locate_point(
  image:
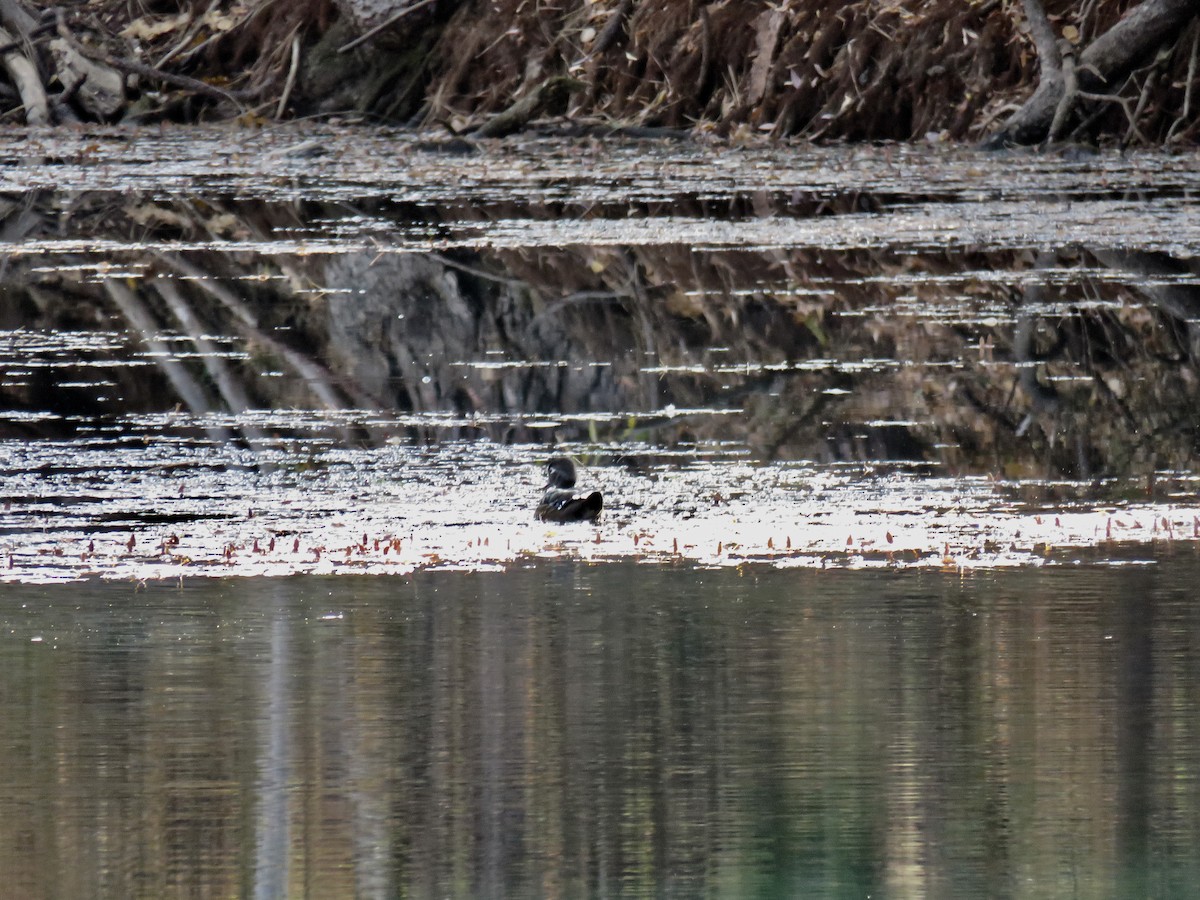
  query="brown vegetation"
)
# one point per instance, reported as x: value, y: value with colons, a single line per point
x: 863, y: 70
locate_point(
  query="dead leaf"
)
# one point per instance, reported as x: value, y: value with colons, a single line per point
x: 147, y: 28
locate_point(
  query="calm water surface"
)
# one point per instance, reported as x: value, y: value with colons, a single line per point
x: 606, y: 730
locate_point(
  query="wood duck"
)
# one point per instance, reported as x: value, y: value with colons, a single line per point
x: 561, y: 503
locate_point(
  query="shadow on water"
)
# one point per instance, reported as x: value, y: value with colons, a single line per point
x: 582, y: 731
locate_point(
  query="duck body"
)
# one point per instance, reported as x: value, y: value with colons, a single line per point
x: 560, y: 502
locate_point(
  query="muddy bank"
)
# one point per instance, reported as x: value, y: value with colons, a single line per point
x: 1112, y: 71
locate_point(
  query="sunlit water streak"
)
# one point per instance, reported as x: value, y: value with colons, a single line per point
x: 175, y: 509
x: 351, y: 163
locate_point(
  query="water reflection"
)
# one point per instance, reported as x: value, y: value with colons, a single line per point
x: 577, y: 730
x: 1013, y: 316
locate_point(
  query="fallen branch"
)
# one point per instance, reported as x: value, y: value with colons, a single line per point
x: 1143, y: 99
x: 24, y: 76
x: 291, y: 77
x: 180, y: 81
x: 705, y: 50
x: 24, y: 41
x: 98, y: 89
x: 137, y: 68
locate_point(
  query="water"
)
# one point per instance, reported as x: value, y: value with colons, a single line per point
x: 601, y: 730
x: 344, y: 351
x: 892, y: 595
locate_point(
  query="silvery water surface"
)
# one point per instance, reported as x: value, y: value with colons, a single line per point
x: 893, y: 594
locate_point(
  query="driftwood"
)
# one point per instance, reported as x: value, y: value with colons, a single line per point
x: 99, y: 90
x: 91, y: 78
x: 145, y: 71
x: 1100, y: 67
x: 24, y: 76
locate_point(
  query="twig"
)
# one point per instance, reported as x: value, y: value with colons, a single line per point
x: 1186, y: 115
x: 21, y: 42
x: 188, y: 35
x: 180, y: 81
x: 478, y: 272
x: 1124, y: 103
x: 366, y: 36
x: 291, y: 77
x: 705, y: 49
x: 1143, y: 98
x: 1085, y: 27
x: 552, y: 309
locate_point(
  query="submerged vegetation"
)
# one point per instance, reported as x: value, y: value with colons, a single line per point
x: 864, y: 70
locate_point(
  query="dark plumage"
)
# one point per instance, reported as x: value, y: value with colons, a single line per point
x: 561, y: 503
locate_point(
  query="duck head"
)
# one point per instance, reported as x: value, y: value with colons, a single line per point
x: 560, y: 473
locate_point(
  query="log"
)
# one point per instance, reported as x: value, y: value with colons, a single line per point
x: 24, y: 75
x: 98, y: 89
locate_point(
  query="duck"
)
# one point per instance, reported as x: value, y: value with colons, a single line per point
x: 561, y: 503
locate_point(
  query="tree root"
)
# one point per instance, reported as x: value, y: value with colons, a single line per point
x: 1105, y: 61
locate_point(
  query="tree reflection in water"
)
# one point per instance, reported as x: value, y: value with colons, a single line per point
x: 1073, y: 363
x: 576, y: 730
